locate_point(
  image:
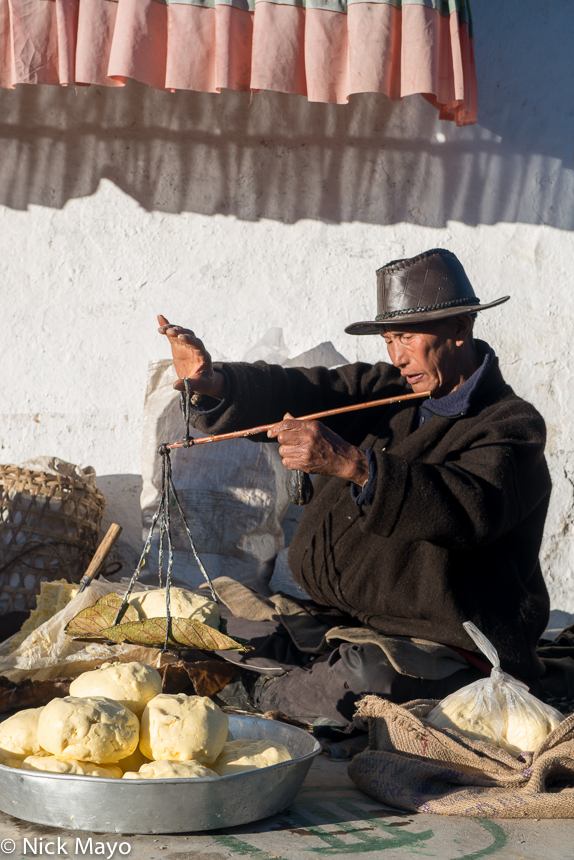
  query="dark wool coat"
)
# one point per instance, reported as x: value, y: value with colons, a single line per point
x: 454, y: 531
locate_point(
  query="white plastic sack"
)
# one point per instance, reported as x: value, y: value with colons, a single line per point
x: 282, y: 578
x: 498, y: 709
x: 233, y: 494
x: 55, y: 466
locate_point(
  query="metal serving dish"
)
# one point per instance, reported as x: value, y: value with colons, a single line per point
x: 164, y: 805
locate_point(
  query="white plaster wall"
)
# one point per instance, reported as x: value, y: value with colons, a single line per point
x: 233, y: 218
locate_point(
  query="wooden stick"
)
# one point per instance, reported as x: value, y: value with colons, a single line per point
x: 239, y: 434
x: 100, y: 555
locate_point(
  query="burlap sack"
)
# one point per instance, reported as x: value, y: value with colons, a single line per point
x: 412, y: 765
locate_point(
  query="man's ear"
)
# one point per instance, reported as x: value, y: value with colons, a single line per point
x: 463, y: 328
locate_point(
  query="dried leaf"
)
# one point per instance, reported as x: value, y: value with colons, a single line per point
x: 150, y: 633
x: 207, y: 676
x: 185, y: 633
x: 30, y: 694
x: 89, y: 623
x: 194, y: 634
x: 175, y: 678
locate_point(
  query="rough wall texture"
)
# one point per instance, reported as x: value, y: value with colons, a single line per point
x: 234, y: 217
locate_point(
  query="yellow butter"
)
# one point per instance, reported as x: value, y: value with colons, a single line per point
x: 242, y: 755
x: 183, y: 604
x: 53, y: 597
x: 183, y: 728
x: 92, y: 728
x: 171, y: 770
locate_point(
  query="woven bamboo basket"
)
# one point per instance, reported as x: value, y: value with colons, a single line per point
x: 49, y: 529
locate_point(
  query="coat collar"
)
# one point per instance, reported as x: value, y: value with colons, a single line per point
x: 458, y: 402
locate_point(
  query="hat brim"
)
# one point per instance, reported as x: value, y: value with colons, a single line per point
x: 375, y: 326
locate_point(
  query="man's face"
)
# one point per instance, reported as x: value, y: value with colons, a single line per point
x: 429, y: 355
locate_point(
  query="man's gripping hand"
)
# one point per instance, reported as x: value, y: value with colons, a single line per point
x: 313, y: 448
x: 192, y: 360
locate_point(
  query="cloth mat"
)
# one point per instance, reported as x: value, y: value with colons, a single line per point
x: 314, y: 630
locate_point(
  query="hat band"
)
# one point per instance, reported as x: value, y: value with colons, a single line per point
x: 470, y: 300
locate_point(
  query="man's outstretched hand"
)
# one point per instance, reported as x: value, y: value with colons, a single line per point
x: 191, y: 359
x: 306, y: 445
x: 313, y: 448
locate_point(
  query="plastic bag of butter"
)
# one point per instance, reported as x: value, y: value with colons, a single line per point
x: 498, y: 709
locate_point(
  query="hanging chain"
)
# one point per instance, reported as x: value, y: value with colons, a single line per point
x: 166, y: 481
x: 163, y: 514
x: 185, y: 400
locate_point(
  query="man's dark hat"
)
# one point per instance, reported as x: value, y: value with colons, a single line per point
x: 431, y: 286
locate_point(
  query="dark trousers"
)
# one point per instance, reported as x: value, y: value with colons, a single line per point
x: 330, y: 685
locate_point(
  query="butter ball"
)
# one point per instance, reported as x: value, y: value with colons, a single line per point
x: 182, y: 603
x: 241, y: 755
x: 526, y: 730
x: 457, y: 712
x: 52, y: 764
x: 91, y: 729
x: 133, y: 762
x: 19, y: 734
x: 183, y: 728
x: 130, y: 684
x: 171, y: 770
x: 10, y: 761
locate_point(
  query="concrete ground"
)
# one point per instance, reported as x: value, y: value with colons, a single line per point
x: 329, y: 818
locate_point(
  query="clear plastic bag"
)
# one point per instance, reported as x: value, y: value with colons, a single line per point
x: 498, y: 709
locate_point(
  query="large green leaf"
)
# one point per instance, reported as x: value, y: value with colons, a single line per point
x: 89, y: 623
x: 185, y: 633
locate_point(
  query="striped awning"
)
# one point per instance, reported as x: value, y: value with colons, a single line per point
x: 323, y: 49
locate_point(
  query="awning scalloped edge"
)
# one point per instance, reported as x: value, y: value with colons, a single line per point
x: 326, y: 50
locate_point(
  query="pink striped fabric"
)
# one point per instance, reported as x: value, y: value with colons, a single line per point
x: 391, y: 47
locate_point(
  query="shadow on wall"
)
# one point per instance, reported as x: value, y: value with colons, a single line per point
x: 283, y: 158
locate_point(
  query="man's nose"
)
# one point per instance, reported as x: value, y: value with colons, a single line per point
x: 398, y: 355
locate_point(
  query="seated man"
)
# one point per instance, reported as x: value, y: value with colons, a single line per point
x: 425, y: 514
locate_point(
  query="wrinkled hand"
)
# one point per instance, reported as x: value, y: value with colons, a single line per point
x: 192, y: 360
x: 313, y: 448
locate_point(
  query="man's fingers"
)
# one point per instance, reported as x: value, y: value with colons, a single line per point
x: 175, y: 331
x: 288, y: 423
x: 291, y: 446
x: 290, y: 464
x: 285, y: 427
x: 163, y: 323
